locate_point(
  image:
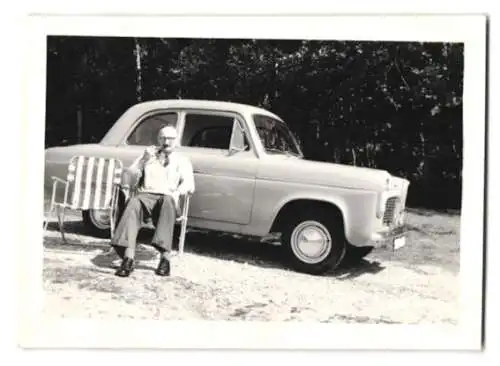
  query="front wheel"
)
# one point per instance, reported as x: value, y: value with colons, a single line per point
x: 314, y: 243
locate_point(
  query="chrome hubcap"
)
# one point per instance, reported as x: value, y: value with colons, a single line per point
x: 100, y: 219
x: 311, y: 242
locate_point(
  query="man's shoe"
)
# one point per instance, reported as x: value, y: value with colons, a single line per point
x: 163, y: 267
x: 126, y: 268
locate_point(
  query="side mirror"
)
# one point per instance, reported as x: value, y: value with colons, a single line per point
x: 237, y: 143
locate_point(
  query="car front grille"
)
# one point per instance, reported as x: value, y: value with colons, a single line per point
x: 390, y: 210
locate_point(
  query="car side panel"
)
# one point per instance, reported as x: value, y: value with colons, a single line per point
x: 358, y: 207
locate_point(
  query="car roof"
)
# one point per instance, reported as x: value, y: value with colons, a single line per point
x: 204, y: 104
x: 122, y: 125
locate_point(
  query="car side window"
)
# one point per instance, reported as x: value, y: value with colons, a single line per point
x: 207, y: 130
x: 217, y: 137
x: 147, y: 130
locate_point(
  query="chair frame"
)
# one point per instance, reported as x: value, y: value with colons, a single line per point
x: 61, y: 207
x: 183, y: 220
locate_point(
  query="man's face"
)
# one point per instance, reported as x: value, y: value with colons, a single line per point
x: 165, y: 142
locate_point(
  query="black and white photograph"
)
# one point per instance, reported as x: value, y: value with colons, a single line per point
x: 293, y: 182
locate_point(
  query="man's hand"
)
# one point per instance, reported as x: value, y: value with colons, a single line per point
x: 148, y: 153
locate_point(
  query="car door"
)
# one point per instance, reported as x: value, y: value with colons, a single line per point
x: 224, y: 179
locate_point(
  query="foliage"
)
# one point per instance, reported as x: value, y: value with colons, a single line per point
x: 389, y: 105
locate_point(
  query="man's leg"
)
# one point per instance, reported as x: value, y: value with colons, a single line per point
x: 162, y: 239
x: 138, y: 208
x: 124, y: 239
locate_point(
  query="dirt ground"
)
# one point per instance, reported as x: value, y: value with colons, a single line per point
x: 222, y: 278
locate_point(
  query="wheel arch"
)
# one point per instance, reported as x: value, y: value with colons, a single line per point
x: 300, y: 204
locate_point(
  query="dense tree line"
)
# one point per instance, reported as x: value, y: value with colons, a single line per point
x: 389, y: 105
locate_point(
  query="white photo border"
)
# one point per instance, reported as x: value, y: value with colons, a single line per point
x: 36, y: 331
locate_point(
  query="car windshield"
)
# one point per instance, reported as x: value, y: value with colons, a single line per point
x: 275, y: 135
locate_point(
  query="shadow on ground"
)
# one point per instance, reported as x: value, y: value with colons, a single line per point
x: 224, y: 247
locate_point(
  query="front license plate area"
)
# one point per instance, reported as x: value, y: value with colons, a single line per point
x: 399, y: 242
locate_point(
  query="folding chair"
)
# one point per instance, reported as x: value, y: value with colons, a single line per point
x: 91, y: 183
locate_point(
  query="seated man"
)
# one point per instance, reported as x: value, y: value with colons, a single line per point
x: 163, y: 176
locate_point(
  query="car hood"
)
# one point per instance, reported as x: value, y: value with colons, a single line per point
x: 297, y: 170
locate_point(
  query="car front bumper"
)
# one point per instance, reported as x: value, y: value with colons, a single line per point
x: 391, y: 238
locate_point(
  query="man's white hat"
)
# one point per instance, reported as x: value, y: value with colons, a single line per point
x: 168, y: 132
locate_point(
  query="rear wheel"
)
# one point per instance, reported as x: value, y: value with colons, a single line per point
x: 97, y: 221
x: 314, y: 242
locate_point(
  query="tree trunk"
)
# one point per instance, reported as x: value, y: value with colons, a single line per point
x: 422, y: 144
x: 79, y: 124
x: 138, y: 60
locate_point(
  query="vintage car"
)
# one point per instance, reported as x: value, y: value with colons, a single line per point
x: 252, y: 180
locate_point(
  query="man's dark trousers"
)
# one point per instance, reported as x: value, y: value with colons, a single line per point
x: 161, y: 208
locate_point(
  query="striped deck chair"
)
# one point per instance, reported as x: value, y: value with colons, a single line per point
x: 91, y: 183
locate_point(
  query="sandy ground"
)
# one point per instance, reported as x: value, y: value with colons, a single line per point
x: 222, y: 278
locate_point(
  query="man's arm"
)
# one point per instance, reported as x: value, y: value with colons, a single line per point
x: 137, y: 165
x: 133, y: 173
